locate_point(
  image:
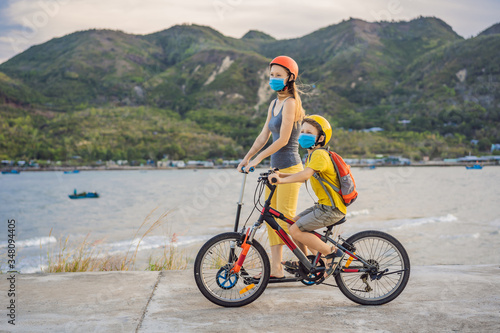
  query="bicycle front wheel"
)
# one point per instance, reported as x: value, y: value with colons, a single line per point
x: 384, y: 252
x: 212, y: 271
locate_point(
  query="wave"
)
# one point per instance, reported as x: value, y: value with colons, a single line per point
x: 36, y: 241
x: 33, y: 269
x: 151, y: 242
x: 30, y: 263
x: 452, y: 237
x: 409, y: 223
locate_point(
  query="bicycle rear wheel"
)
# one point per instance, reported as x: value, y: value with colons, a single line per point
x: 384, y: 252
x: 212, y: 271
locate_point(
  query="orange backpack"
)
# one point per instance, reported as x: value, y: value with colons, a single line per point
x: 347, y: 185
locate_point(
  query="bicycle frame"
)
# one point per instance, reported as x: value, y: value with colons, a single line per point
x: 269, y: 215
x: 240, y: 280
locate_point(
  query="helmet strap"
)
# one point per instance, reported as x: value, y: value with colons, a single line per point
x: 288, y: 84
x: 317, y: 138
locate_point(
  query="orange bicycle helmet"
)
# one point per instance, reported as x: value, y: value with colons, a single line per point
x: 288, y: 63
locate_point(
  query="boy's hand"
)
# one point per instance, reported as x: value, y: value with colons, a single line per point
x: 274, y: 176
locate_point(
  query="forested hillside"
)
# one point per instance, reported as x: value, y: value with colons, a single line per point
x: 191, y: 92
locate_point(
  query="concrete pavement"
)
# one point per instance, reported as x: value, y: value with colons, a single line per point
x: 436, y: 299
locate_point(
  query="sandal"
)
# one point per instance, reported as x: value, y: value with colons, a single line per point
x: 290, y: 264
x: 291, y: 267
x: 336, y: 257
x: 275, y: 278
x: 271, y: 278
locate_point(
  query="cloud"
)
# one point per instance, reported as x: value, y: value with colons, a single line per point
x: 27, y: 22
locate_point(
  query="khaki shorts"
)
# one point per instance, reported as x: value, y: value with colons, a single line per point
x: 318, y: 216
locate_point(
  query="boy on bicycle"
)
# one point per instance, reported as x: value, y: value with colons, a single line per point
x: 315, y: 133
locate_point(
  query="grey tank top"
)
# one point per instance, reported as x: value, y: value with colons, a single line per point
x: 288, y: 155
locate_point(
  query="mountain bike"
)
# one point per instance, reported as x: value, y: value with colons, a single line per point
x: 232, y: 269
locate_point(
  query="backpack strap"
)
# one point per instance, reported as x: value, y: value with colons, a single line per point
x: 322, y: 180
x: 327, y: 193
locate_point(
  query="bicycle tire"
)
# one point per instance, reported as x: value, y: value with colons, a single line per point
x: 388, y: 253
x: 213, y: 277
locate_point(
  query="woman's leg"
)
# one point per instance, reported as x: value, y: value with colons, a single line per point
x: 286, y: 202
x: 274, y: 241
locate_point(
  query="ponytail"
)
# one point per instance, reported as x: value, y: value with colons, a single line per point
x: 292, y: 90
x: 299, y: 111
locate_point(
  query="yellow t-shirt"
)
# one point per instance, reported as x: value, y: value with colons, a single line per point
x: 321, y: 162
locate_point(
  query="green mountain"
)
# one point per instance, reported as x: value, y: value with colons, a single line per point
x: 94, y: 67
x: 411, y: 78
x: 494, y: 29
x: 13, y: 91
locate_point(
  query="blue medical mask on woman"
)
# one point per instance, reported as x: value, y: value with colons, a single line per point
x: 277, y: 84
x: 307, y: 141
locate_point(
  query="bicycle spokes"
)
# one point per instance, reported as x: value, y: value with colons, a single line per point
x: 381, y: 273
x: 217, y: 278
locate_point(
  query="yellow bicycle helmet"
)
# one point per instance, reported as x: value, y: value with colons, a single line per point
x: 324, y: 124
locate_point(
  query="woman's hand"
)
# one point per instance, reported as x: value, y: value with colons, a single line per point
x: 253, y: 163
x: 243, y: 163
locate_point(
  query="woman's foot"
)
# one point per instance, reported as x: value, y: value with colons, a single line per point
x: 271, y: 278
x: 290, y: 266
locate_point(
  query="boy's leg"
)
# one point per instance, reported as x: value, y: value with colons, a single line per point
x: 299, y: 244
x: 317, y: 217
x: 311, y: 219
x: 310, y: 240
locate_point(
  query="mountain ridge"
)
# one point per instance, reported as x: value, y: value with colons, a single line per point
x: 358, y: 74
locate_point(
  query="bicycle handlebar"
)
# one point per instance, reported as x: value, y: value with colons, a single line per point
x: 252, y: 169
x: 265, y: 175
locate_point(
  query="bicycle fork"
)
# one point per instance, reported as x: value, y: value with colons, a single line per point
x: 246, y: 247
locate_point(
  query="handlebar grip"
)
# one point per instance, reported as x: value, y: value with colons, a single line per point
x: 274, y: 180
x: 249, y: 170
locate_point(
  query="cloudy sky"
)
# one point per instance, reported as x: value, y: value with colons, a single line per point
x: 28, y: 22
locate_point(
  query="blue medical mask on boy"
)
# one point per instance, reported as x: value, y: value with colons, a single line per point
x: 277, y: 84
x: 307, y: 141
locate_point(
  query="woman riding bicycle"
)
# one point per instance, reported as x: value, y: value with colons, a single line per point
x: 330, y: 208
x: 284, y: 117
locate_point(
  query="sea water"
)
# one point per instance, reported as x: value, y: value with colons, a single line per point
x: 442, y: 215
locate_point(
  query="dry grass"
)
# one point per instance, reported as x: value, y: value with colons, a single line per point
x: 87, y: 256
x: 171, y: 259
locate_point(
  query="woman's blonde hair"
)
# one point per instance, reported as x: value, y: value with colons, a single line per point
x: 294, y: 92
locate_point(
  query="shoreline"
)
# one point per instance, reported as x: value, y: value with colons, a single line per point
x: 151, y: 168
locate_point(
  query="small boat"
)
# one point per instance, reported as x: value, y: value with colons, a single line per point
x: 73, y: 171
x: 83, y: 195
x: 15, y: 172
x: 474, y: 167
